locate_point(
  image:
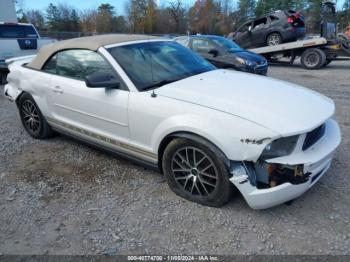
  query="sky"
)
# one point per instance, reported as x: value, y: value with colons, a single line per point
x: 89, y: 4
x: 93, y: 4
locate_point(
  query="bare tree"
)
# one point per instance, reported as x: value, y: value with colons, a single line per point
x: 35, y: 17
x: 89, y: 21
x: 177, y: 12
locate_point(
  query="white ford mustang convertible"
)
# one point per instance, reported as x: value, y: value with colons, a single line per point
x: 207, y: 130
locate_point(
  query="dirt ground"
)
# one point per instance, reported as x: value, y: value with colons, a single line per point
x: 58, y: 196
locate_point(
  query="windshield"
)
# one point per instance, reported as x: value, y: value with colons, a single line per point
x: 153, y: 64
x: 226, y: 44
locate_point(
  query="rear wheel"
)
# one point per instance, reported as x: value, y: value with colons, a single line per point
x: 195, y: 172
x: 274, y: 39
x: 313, y: 58
x: 328, y: 61
x: 32, y: 119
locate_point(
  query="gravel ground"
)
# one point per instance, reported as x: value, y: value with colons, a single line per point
x: 61, y: 197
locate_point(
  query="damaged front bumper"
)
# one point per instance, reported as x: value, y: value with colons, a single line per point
x: 10, y: 93
x: 314, y: 162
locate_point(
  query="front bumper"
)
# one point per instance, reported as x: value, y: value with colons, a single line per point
x: 258, y: 69
x: 316, y: 161
x: 261, y: 70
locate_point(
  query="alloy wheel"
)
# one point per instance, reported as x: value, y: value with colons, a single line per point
x: 31, y: 116
x: 194, y: 171
x: 274, y: 40
x: 312, y: 60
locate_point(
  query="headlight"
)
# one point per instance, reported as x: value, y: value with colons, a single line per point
x: 245, y: 62
x: 240, y: 60
x: 250, y: 63
x: 280, y: 147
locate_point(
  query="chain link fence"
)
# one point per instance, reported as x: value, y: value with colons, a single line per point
x: 64, y: 35
x: 68, y: 35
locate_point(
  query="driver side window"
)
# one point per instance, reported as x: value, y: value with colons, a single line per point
x: 245, y: 27
x: 259, y: 23
x: 77, y: 64
x: 202, y: 45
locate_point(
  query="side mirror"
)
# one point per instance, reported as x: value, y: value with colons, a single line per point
x: 213, y: 52
x: 102, y: 80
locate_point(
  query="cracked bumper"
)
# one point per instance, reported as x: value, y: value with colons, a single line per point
x: 316, y: 160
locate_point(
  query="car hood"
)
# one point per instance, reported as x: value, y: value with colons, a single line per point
x: 250, y: 56
x: 282, y: 107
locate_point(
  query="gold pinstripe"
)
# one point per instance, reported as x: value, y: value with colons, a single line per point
x: 101, y: 138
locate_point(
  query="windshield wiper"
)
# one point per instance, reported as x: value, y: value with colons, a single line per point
x: 159, y: 84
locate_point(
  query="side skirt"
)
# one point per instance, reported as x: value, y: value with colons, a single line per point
x: 95, y: 145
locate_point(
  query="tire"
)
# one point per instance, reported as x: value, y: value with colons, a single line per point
x: 3, y: 78
x: 313, y: 58
x: 205, y: 182
x: 32, y: 119
x: 328, y: 61
x: 273, y: 39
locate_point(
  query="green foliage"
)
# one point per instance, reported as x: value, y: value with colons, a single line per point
x: 313, y: 17
x: 52, y: 16
x: 23, y: 19
x: 266, y: 6
x: 105, y: 18
x: 62, y: 18
x: 246, y: 9
x: 344, y: 16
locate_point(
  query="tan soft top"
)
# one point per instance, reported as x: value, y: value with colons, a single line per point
x: 90, y: 42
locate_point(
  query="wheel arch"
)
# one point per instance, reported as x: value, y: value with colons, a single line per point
x: 191, y: 136
x: 274, y: 32
x: 19, y: 97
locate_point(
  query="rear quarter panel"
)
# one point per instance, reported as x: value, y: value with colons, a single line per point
x: 22, y: 79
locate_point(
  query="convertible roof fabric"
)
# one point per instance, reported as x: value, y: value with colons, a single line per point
x: 90, y: 42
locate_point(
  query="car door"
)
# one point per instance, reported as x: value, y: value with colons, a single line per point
x: 202, y: 46
x: 97, y: 112
x: 185, y: 41
x: 258, y: 32
x: 242, y: 36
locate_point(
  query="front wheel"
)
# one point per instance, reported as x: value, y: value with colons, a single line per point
x: 32, y: 119
x: 195, y: 172
x: 328, y: 61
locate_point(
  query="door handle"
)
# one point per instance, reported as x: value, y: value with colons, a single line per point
x: 57, y: 90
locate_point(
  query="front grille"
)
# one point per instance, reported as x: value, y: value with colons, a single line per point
x: 313, y: 136
x: 261, y: 70
x: 262, y: 62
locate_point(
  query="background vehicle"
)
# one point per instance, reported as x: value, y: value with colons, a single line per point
x: 224, y: 53
x: 18, y: 39
x: 345, y: 37
x: 315, y: 52
x: 274, y: 29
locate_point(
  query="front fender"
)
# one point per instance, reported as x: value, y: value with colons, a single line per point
x: 238, y: 139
